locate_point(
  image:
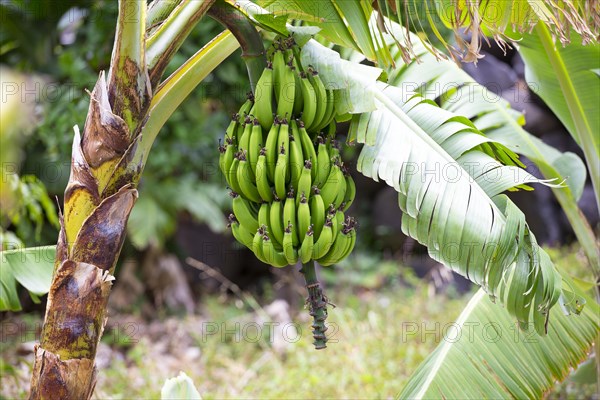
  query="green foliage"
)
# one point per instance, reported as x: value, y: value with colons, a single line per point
x: 153, y: 219
x: 30, y: 208
x: 31, y: 267
x: 498, y: 360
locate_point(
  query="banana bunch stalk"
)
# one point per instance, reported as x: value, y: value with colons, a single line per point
x: 289, y: 187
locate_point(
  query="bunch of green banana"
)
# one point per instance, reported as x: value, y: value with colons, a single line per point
x: 280, y: 159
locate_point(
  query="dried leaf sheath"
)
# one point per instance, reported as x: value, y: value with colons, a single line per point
x: 98, y: 200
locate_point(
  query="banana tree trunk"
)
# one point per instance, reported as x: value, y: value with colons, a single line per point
x: 98, y: 199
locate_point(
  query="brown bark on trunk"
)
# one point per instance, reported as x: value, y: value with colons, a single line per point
x: 98, y: 200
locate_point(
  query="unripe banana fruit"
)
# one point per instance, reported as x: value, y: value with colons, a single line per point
x: 290, y: 188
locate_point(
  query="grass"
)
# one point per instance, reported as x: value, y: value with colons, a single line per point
x: 226, y: 349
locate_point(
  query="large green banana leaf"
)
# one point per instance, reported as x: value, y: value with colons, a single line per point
x: 483, y: 355
x: 455, y: 91
x: 449, y: 177
x: 568, y: 80
x: 491, y: 18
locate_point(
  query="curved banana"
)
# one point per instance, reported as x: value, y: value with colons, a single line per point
x: 232, y: 174
x: 240, y: 233
x: 309, y: 111
x: 329, y: 111
x: 278, y: 69
x: 246, y: 180
x: 305, y: 182
x: 317, y: 211
x: 308, y: 149
x: 231, y: 131
x: 342, y: 189
x: 271, y: 255
x: 287, y: 92
x: 262, y: 180
x: 299, y: 101
x: 303, y: 216
x: 257, y: 243
x: 334, y: 255
x: 289, y: 251
x: 306, y: 249
x: 331, y: 188
x: 228, y: 156
x: 263, y: 215
x: 244, y: 140
x: 222, y: 149
x: 324, y: 242
x: 255, y: 144
x: 272, y: 147
x: 280, y: 174
x: 323, y: 162
x: 296, y: 160
x: 244, y: 213
x: 276, y: 221
x: 263, y: 97
x: 283, y: 138
x: 321, y: 97
x: 245, y: 109
x: 350, y: 191
x: 289, y: 215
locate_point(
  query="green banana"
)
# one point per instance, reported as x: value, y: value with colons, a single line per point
x: 275, y: 221
x: 232, y: 174
x: 299, y: 101
x: 339, y: 248
x: 246, y: 180
x: 271, y: 254
x: 342, y: 189
x: 350, y: 191
x: 323, y: 162
x: 321, y: 97
x: 233, y: 126
x: 281, y: 173
x: 244, y: 213
x: 306, y: 249
x: 303, y: 216
x: 308, y: 148
x: 305, y: 182
x: 309, y: 110
x: 257, y: 245
x: 296, y: 160
x: 222, y: 149
x: 240, y: 233
x: 329, y: 111
x: 324, y: 242
x: 263, y: 215
x: 247, y: 106
x: 317, y: 211
x: 244, y: 141
x: 255, y: 144
x: 289, y: 215
x: 289, y: 251
x: 228, y: 156
x: 263, y: 109
x: 330, y: 190
x: 262, y: 180
x: 287, y: 92
x: 283, y: 138
x: 278, y: 68
x: 272, y: 146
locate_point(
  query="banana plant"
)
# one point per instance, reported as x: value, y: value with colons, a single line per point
x: 131, y: 102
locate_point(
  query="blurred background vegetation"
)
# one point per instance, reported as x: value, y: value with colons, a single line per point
x: 50, y: 53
